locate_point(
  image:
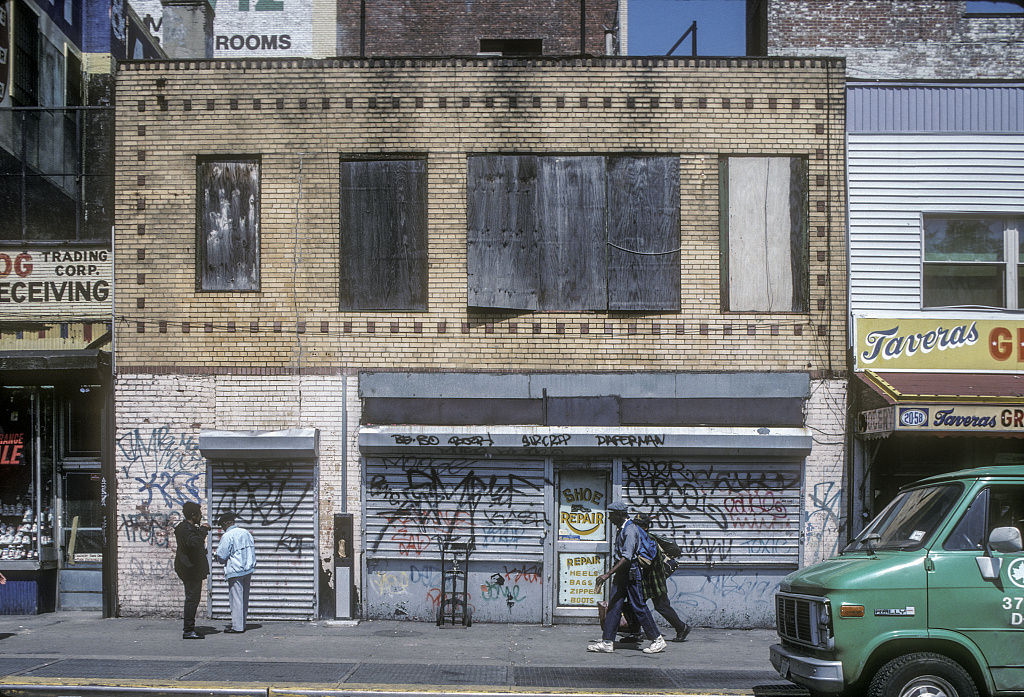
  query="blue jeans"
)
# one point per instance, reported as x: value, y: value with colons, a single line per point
x: 625, y: 590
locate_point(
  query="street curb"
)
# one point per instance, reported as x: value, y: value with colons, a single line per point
x: 78, y: 688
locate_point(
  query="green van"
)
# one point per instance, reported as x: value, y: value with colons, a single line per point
x: 928, y: 601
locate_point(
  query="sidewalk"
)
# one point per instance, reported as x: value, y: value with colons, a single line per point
x: 78, y: 653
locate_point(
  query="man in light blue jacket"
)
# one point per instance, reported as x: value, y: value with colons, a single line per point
x: 237, y: 552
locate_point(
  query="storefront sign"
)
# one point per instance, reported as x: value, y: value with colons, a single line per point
x: 581, y: 504
x: 577, y: 574
x: 248, y: 28
x: 964, y: 418
x: 65, y: 283
x: 939, y: 344
x: 12, y: 449
x: 876, y: 422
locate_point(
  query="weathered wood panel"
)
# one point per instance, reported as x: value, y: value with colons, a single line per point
x: 643, y: 210
x: 763, y: 271
x: 383, y: 245
x: 501, y: 235
x: 229, y: 225
x: 571, y: 221
x: 799, y: 244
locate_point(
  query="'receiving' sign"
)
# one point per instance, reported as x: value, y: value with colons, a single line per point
x: 66, y: 282
x: 939, y: 344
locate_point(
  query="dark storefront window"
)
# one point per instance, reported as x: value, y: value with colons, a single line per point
x: 83, y: 429
x: 25, y: 83
x: 25, y: 489
x: 83, y: 517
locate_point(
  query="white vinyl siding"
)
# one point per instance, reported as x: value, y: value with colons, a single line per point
x: 894, y: 180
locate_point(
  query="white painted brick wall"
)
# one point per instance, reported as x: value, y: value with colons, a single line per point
x: 159, y: 466
x: 824, y: 471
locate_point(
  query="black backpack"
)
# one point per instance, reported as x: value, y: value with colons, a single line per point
x: 670, y: 548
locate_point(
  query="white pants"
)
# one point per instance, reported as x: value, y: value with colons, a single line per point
x: 238, y: 595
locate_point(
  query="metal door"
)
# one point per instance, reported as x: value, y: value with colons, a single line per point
x: 581, y: 538
x: 276, y: 502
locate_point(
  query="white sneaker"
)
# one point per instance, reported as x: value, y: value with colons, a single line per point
x: 657, y: 646
x: 606, y: 646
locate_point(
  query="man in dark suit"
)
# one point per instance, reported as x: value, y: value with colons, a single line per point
x: 190, y: 563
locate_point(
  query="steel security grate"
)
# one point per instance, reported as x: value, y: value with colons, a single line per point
x: 426, y: 674
x: 589, y: 677
x: 281, y: 671
x: 10, y: 666
x: 114, y: 669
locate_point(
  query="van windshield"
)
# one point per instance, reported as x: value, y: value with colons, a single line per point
x: 910, y: 520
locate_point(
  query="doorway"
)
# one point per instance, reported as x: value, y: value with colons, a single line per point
x: 581, y: 538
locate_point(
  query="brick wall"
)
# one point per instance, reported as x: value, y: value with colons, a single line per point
x: 286, y: 356
x: 824, y: 524
x: 159, y: 465
x: 900, y: 39
x: 439, y: 27
x: 311, y: 113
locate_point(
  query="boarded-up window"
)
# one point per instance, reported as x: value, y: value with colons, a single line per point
x: 579, y: 233
x: 383, y: 246
x: 764, y: 234
x: 228, y: 242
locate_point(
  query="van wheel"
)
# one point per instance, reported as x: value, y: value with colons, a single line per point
x: 922, y: 674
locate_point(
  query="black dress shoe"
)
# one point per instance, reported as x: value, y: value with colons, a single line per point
x: 682, y: 633
x: 191, y: 635
x: 232, y: 630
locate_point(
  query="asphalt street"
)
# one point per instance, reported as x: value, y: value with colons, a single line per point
x: 81, y: 653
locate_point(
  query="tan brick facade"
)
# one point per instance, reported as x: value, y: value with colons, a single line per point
x: 287, y: 357
x: 171, y: 113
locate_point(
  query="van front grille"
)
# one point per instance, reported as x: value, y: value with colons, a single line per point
x: 796, y: 619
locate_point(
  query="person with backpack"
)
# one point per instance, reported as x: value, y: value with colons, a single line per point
x: 633, y: 547
x: 656, y: 580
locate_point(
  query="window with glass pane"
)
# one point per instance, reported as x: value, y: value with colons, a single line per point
x: 964, y: 263
x: 1020, y: 269
x: 83, y: 514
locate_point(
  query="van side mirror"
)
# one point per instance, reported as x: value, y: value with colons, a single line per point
x: 1005, y: 540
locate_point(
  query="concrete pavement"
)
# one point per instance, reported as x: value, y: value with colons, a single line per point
x: 81, y: 653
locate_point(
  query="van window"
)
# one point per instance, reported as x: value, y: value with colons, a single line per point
x: 910, y: 520
x: 969, y: 533
x: 994, y: 507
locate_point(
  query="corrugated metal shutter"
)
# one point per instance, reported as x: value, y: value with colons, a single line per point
x: 720, y: 512
x: 414, y: 503
x: 894, y: 179
x: 276, y: 502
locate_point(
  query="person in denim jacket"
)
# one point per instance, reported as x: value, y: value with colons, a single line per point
x: 627, y: 586
x: 237, y: 552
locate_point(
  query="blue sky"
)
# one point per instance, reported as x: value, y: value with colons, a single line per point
x: 655, y: 25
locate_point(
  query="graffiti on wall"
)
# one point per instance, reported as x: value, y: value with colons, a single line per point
x: 153, y: 528
x: 734, y: 598
x: 429, y: 502
x: 822, y: 522
x: 167, y: 468
x: 699, y: 505
x: 267, y: 495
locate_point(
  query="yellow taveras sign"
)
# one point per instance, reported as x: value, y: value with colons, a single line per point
x: 948, y: 344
